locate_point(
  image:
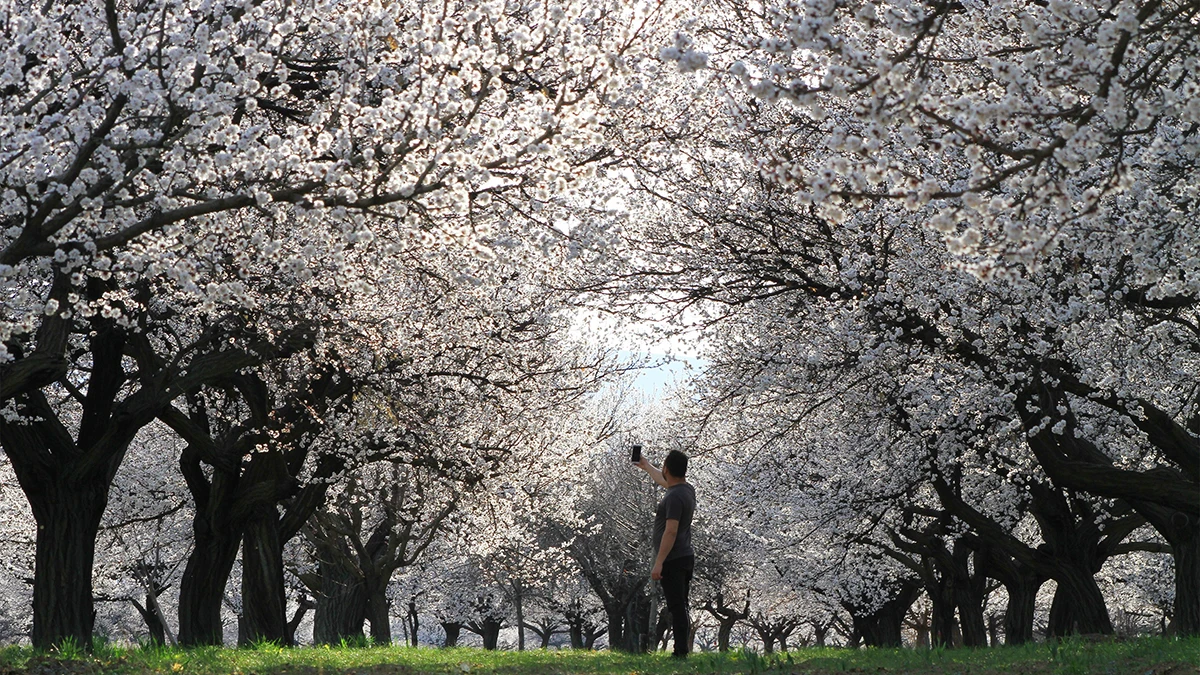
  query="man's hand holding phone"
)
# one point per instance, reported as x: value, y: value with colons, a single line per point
x: 637, y: 458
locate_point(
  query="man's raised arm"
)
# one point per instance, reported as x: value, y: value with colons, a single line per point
x: 645, y: 465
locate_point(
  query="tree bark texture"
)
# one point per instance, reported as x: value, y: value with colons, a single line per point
x: 341, y: 606
x: 519, y: 607
x: 1186, y: 547
x: 575, y: 630
x: 882, y: 626
x: 202, y: 587
x: 616, y: 626
x: 724, y: 630
x: 453, y: 630
x: 264, y: 601
x: 1078, y: 607
x: 1019, y: 612
x: 969, y: 590
x: 67, y: 523
x: 941, y: 596
x: 490, y: 632
x: 217, y: 535
x: 380, y: 616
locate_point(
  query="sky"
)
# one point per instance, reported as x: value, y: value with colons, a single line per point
x: 654, y: 383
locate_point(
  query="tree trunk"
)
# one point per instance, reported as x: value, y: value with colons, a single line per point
x: 154, y: 626
x: 662, y: 625
x: 993, y: 630
x: 1078, y: 606
x: 855, y: 639
x: 820, y: 631
x: 202, y: 588
x: 519, y: 607
x: 453, y: 629
x: 968, y: 595
x: 68, y: 519
x: 264, y: 602
x: 490, y: 633
x: 768, y: 639
x: 922, y: 624
x: 412, y: 622
x: 297, y: 618
x: 637, y: 624
x: 943, y: 622
x: 1019, y: 614
x: 379, y: 614
x: 616, y: 626
x: 882, y: 627
x: 1060, y: 623
x: 575, y: 629
x: 341, y: 606
x: 724, y: 630
x: 1185, y: 546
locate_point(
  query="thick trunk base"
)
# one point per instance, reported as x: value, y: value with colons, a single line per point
x: 380, y: 617
x: 341, y: 607
x: 202, y: 591
x: 67, y: 524
x: 1078, y: 607
x: 1019, y: 613
x: 453, y: 631
x: 264, y: 602
x: 1186, y: 549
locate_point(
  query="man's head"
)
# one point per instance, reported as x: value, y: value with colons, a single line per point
x: 675, y: 465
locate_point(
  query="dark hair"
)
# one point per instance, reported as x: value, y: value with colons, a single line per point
x: 676, y: 463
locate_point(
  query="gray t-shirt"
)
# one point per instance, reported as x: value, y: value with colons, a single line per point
x: 678, y: 504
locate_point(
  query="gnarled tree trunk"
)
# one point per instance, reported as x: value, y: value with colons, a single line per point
x: 264, y: 601
x: 490, y: 632
x: 968, y: 595
x: 453, y: 629
x: 1019, y: 613
x: 1185, y: 546
x: 68, y: 519
x: 379, y: 614
x: 616, y: 626
x: 1078, y: 607
x: 216, y: 540
x: 882, y: 626
x: 341, y: 606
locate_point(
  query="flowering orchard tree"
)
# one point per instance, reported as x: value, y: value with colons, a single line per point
x: 1015, y: 125
x: 515, y: 531
x: 376, y: 521
x: 805, y: 215
x: 165, y: 149
x: 480, y: 479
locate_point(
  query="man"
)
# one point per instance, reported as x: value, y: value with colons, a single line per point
x: 673, y: 542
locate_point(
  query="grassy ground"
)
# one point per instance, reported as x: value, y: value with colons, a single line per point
x: 1135, y: 657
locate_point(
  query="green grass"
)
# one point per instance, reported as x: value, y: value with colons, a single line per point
x: 1149, y: 656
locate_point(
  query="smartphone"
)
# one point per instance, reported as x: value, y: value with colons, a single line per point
x: 636, y: 456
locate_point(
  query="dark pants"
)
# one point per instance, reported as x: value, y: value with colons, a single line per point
x: 676, y: 581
